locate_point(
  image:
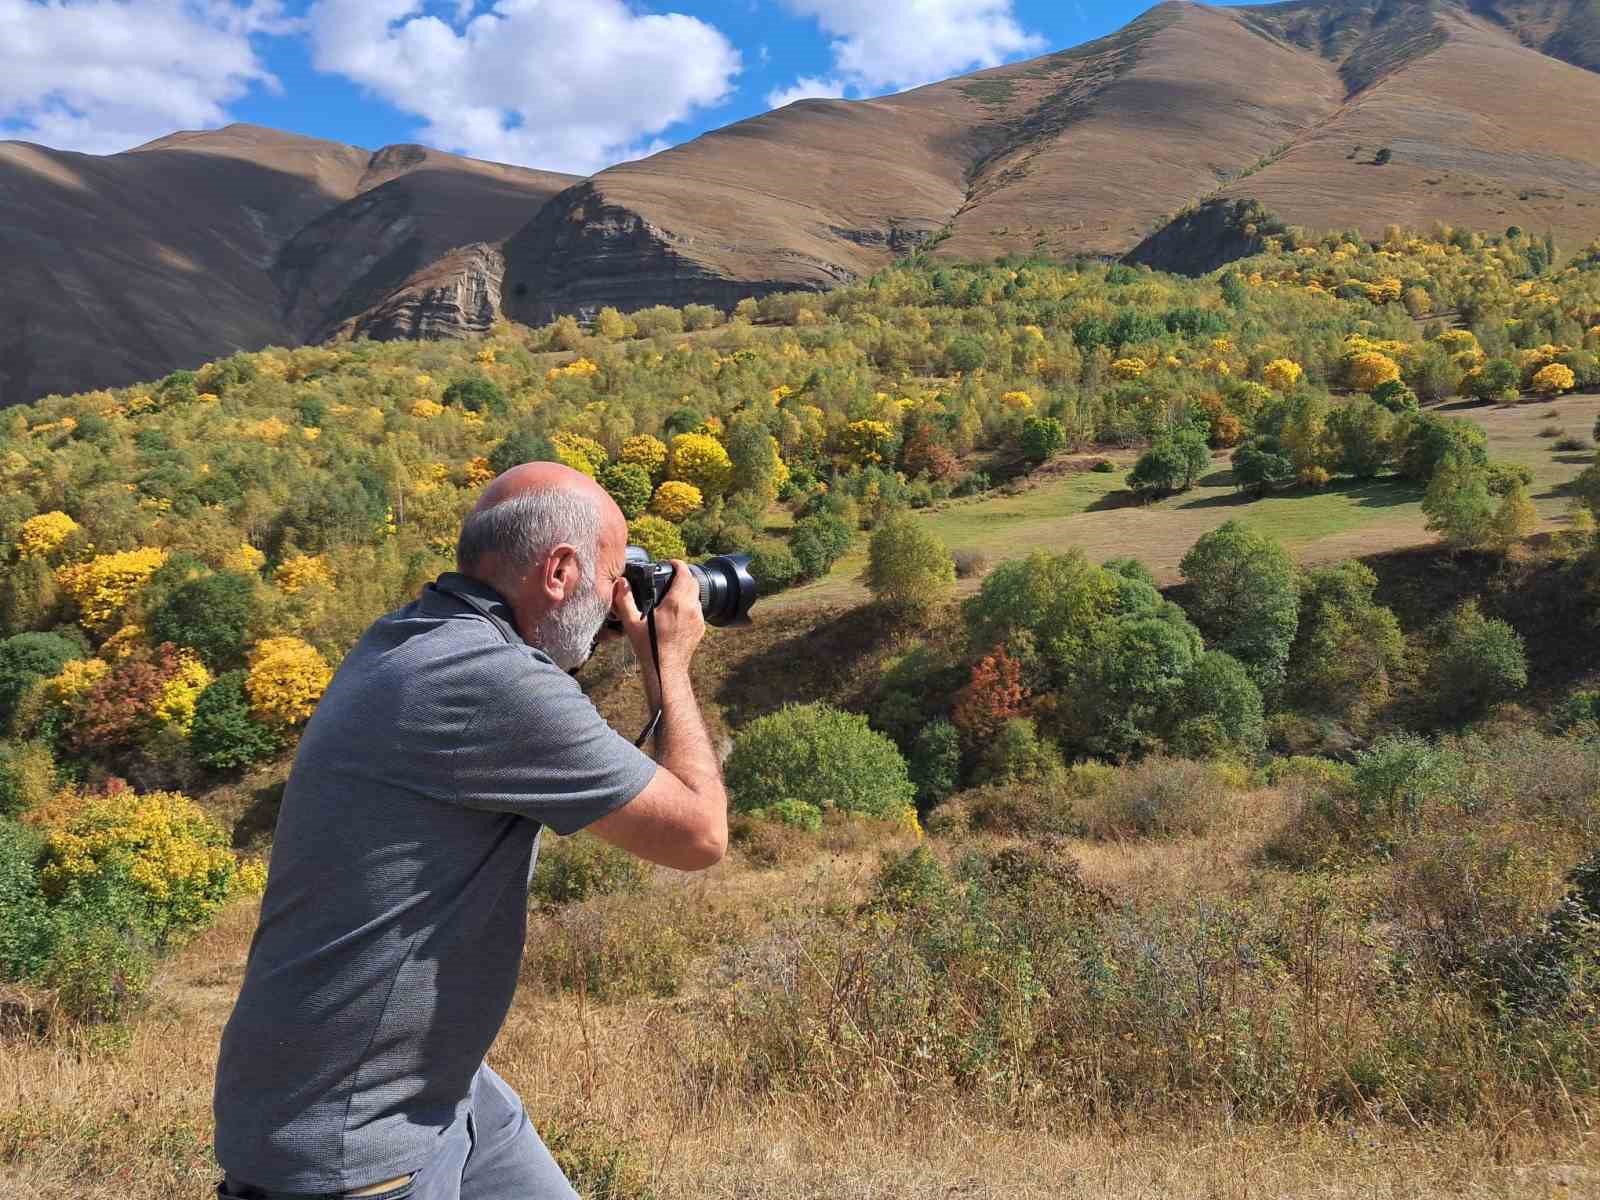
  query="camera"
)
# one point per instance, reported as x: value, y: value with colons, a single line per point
x: 727, y: 589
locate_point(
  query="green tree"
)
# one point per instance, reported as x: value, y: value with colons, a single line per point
x: 520, y: 447
x: 817, y: 542
x: 1395, y: 396
x: 1347, y: 647
x: 210, y: 615
x: 1364, y: 431
x: 1497, y: 379
x: 1259, y: 466
x: 26, y: 658
x: 935, y: 764
x: 1172, y: 464
x: 754, y: 453
x: 1424, y: 441
x: 629, y: 485
x: 965, y: 354
x: 224, y: 735
x: 1459, y: 507
x: 1041, y: 437
x: 1477, y: 661
x: 1242, y: 595
x: 909, y: 570
x: 1218, y: 708
x: 817, y: 755
x: 476, y: 393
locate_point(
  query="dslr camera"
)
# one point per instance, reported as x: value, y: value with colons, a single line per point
x: 727, y: 589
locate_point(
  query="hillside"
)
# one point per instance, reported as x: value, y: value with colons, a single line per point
x: 128, y: 266
x: 1092, y: 149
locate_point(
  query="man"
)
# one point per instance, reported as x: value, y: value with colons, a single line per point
x: 392, y: 927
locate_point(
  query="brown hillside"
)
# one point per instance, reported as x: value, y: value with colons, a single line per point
x: 128, y: 266
x: 1092, y: 149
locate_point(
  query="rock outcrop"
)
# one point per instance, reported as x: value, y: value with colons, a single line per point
x: 454, y: 296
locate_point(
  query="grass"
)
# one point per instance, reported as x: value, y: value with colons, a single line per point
x: 1091, y: 511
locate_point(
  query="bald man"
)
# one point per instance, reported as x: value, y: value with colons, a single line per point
x: 392, y: 927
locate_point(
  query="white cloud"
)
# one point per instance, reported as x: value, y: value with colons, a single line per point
x: 807, y: 87
x: 564, y: 84
x: 104, y: 75
x: 888, y: 45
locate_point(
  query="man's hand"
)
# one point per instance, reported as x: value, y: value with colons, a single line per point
x: 680, y: 623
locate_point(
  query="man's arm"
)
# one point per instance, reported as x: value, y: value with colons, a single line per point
x: 681, y: 818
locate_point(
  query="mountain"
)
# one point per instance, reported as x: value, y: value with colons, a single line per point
x: 125, y: 267
x: 1160, y: 143
x: 1485, y: 109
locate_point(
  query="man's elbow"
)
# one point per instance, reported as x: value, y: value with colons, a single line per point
x: 707, y: 848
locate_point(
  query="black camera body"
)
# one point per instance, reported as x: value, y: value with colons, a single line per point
x: 727, y: 589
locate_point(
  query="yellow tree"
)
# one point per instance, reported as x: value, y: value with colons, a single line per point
x: 700, y: 459
x: 1282, y: 374
x: 647, y: 452
x: 43, y: 535
x: 1554, y: 379
x: 675, y: 501
x: 1367, y: 369
x: 103, y: 587
x: 287, y: 678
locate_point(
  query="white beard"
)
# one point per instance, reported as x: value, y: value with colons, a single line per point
x: 567, y: 634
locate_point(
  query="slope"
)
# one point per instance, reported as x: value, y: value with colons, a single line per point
x: 128, y: 266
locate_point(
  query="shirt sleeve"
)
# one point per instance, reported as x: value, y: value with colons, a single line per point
x: 535, y: 746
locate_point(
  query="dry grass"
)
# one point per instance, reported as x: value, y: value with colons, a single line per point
x: 629, y: 1088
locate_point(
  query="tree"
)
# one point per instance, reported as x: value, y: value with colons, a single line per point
x: 993, y: 695
x: 647, y: 452
x: 1554, y: 379
x: 1425, y: 441
x: 1477, y: 661
x: 611, y: 324
x: 1218, y: 708
x: 757, y: 467
x: 25, y: 659
x: 1458, y: 505
x: 1172, y: 463
x: 104, y: 586
x: 1259, y: 466
x: 1282, y: 374
x: 224, y: 735
x: 909, y: 570
x: 1395, y: 396
x: 1497, y: 379
x: 661, y: 538
x: 42, y: 535
x: 965, y: 354
x: 286, y: 679
x: 817, y: 542
x: 210, y: 615
x: 863, y: 443
x: 700, y: 459
x: 1243, y: 597
x: 675, y: 501
x: 1347, y: 646
x: 1514, y: 519
x: 1363, y: 430
x: 935, y: 763
x: 1041, y: 437
x: 628, y: 484
x: 477, y: 394
x: 523, y: 446
x: 820, y: 756
x: 1369, y: 369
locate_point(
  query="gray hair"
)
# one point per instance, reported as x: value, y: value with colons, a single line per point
x: 522, y: 530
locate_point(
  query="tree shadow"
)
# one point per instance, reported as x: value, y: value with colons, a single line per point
x: 834, y: 660
x: 1575, y: 458
x: 1388, y: 492
x: 254, y: 828
x: 1121, y: 498
x: 1224, y: 500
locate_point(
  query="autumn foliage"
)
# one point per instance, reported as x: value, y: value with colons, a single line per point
x: 994, y: 695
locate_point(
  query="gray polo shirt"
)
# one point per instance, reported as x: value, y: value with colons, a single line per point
x: 392, y: 928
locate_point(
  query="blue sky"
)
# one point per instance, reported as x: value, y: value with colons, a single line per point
x: 563, y: 84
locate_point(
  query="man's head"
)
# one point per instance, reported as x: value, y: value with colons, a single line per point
x: 553, y: 543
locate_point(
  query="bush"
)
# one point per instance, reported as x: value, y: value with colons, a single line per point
x: 27, y: 777
x: 661, y: 538
x: 26, y: 930
x: 224, y: 735
x: 1477, y: 661
x: 98, y: 972
x: 210, y: 615
x: 1041, y: 437
x: 1497, y: 379
x: 969, y: 564
x: 775, y: 567
x: 572, y: 869
x: 909, y: 571
x: 287, y: 677
x: 1161, y: 797
x: 818, y: 542
x: 25, y: 659
x: 629, y: 485
x: 1018, y: 754
x: 935, y: 763
x: 476, y: 394
x: 1395, y: 396
x: 818, y: 755
x: 1172, y: 463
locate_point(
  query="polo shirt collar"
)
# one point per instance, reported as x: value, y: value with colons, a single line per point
x: 490, y: 603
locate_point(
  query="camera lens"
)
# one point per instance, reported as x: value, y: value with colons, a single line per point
x: 727, y: 589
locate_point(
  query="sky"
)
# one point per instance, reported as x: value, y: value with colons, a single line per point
x: 565, y: 85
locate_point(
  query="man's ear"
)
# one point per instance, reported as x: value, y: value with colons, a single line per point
x: 563, y: 574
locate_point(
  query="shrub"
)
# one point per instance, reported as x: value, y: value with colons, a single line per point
x: 1395, y: 396
x: 661, y: 538
x: 935, y: 763
x: 1282, y: 374
x: 25, y: 659
x: 572, y: 869
x: 818, y: 542
x: 286, y: 679
x: 1554, y: 379
x: 1582, y: 708
x: 1244, y: 599
x: 477, y: 394
x: 629, y: 485
x: 909, y: 571
x: 1018, y: 754
x: 26, y: 932
x: 969, y: 564
x: 775, y: 567
x: 1159, y: 796
x: 210, y: 615
x: 1477, y: 661
x: 1041, y: 437
x: 1570, y: 443
x: 27, y: 777
x: 224, y: 735
x: 965, y: 354
x: 98, y: 972
x: 657, y: 320
x: 818, y: 755
x: 1496, y: 379
x: 676, y: 501
x: 523, y: 446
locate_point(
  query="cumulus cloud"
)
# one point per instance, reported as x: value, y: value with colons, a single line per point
x: 568, y: 85
x: 807, y: 87
x: 888, y: 45
x: 104, y: 75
